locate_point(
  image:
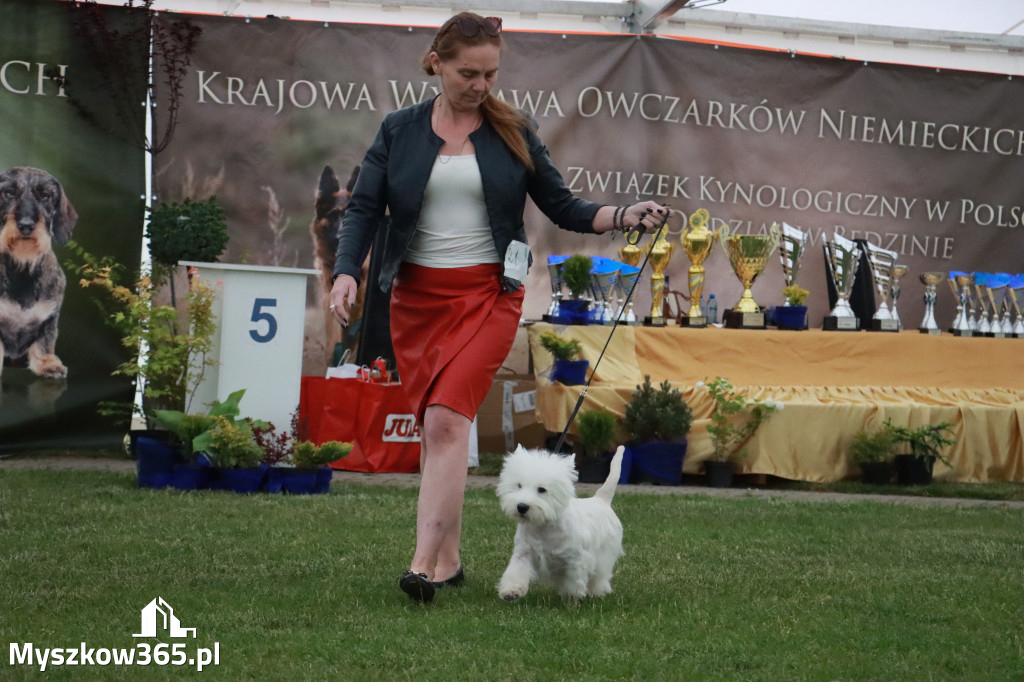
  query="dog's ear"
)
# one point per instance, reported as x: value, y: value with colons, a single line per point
x: 64, y: 220
x: 352, y: 179
x: 520, y: 450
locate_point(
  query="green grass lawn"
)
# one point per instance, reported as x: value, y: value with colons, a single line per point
x: 305, y: 588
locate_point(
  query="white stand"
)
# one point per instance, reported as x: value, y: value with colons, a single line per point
x: 260, y: 315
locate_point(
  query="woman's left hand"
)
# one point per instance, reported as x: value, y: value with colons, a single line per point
x: 647, y: 215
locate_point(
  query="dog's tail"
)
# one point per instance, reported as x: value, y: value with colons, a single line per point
x: 607, y: 491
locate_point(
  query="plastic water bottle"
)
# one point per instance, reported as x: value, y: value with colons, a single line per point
x: 712, y: 312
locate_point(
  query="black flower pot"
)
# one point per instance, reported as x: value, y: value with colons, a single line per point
x: 876, y: 473
x: 914, y: 470
x: 718, y: 474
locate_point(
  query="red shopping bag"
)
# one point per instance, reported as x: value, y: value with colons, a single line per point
x: 370, y: 413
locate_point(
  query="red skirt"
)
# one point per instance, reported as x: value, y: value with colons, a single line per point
x: 451, y: 329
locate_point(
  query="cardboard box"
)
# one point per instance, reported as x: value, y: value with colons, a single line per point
x: 508, y: 415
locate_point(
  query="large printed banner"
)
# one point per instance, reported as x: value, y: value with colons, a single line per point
x: 923, y: 162
x: 87, y: 185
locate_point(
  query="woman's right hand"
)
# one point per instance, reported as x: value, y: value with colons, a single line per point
x: 343, y: 297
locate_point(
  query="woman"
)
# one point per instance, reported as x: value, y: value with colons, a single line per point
x: 454, y: 173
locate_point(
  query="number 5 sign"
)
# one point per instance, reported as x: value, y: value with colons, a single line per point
x: 260, y: 314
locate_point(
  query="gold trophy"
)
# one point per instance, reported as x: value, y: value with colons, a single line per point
x: 748, y: 254
x: 697, y: 241
x: 631, y: 255
x: 659, y: 253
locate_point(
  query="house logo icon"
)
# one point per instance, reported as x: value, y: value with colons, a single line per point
x: 159, y: 612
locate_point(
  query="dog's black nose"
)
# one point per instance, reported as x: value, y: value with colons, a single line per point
x: 26, y: 227
x: 522, y: 508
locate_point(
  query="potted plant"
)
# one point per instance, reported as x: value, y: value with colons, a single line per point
x: 237, y: 458
x: 311, y: 473
x: 793, y: 315
x: 168, y: 352
x: 186, y: 231
x: 734, y: 419
x: 916, y: 467
x: 569, y: 367
x: 594, y: 444
x: 872, y: 453
x: 657, y: 421
x: 576, y: 276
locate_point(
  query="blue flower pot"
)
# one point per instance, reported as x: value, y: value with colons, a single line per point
x: 570, y: 372
x: 191, y: 476
x: 658, y: 462
x: 243, y: 481
x: 323, y: 480
x: 155, y: 461
x: 573, y: 311
x: 791, y: 316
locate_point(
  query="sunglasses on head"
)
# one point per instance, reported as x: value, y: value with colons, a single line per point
x: 469, y: 26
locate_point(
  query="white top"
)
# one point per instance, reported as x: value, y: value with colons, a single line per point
x: 453, y: 231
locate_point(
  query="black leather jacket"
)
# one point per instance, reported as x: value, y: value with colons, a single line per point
x: 394, y: 175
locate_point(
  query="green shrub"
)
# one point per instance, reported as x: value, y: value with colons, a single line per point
x: 657, y: 415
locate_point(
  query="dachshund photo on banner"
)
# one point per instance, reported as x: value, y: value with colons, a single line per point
x: 35, y: 214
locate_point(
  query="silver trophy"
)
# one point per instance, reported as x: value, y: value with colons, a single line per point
x: 882, y: 262
x: 604, y: 279
x: 1016, y: 295
x: 998, y: 288
x: 842, y: 256
x: 627, y: 287
x: 960, y: 283
x: 982, y: 323
x: 555, y: 273
x: 930, y: 280
x: 899, y: 271
x: 791, y: 250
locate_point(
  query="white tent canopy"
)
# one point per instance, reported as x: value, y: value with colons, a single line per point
x: 984, y: 35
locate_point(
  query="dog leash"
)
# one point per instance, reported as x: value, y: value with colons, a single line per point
x: 639, y: 231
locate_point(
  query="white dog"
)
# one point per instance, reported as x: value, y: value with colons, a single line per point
x: 570, y: 542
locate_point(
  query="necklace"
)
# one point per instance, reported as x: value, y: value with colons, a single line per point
x: 436, y: 117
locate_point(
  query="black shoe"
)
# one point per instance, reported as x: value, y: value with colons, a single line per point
x: 454, y: 581
x: 417, y: 586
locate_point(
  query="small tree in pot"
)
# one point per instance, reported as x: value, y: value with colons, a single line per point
x: 925, y: 442
x: 576, y: 276
x: 733, y: 421
x: 594, y: 443
x: 872, y: 453
x: 657, y: 421
x: 189, y: 231
x: 569, y: 367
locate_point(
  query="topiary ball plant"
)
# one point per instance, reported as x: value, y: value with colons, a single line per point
x: 576, y: 274
x: 191, y: 230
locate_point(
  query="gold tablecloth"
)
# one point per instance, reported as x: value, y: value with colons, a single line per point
x: 832, y: 385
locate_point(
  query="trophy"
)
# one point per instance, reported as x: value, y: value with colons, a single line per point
x: 659, y: 253
x: 697, y: 241
x: 899, y: 271
x: 630, y: 255
x: 604, y: 275
x: 748, y: 255
x: 930, y: 280
x: 881, y: 262
x: 998, y: 286
x: 979, y: 292
x: 791, y: 250
x: 1016, y: 295
x: 555, y: 272
x: 841, y: 259
x: 960, y: 282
